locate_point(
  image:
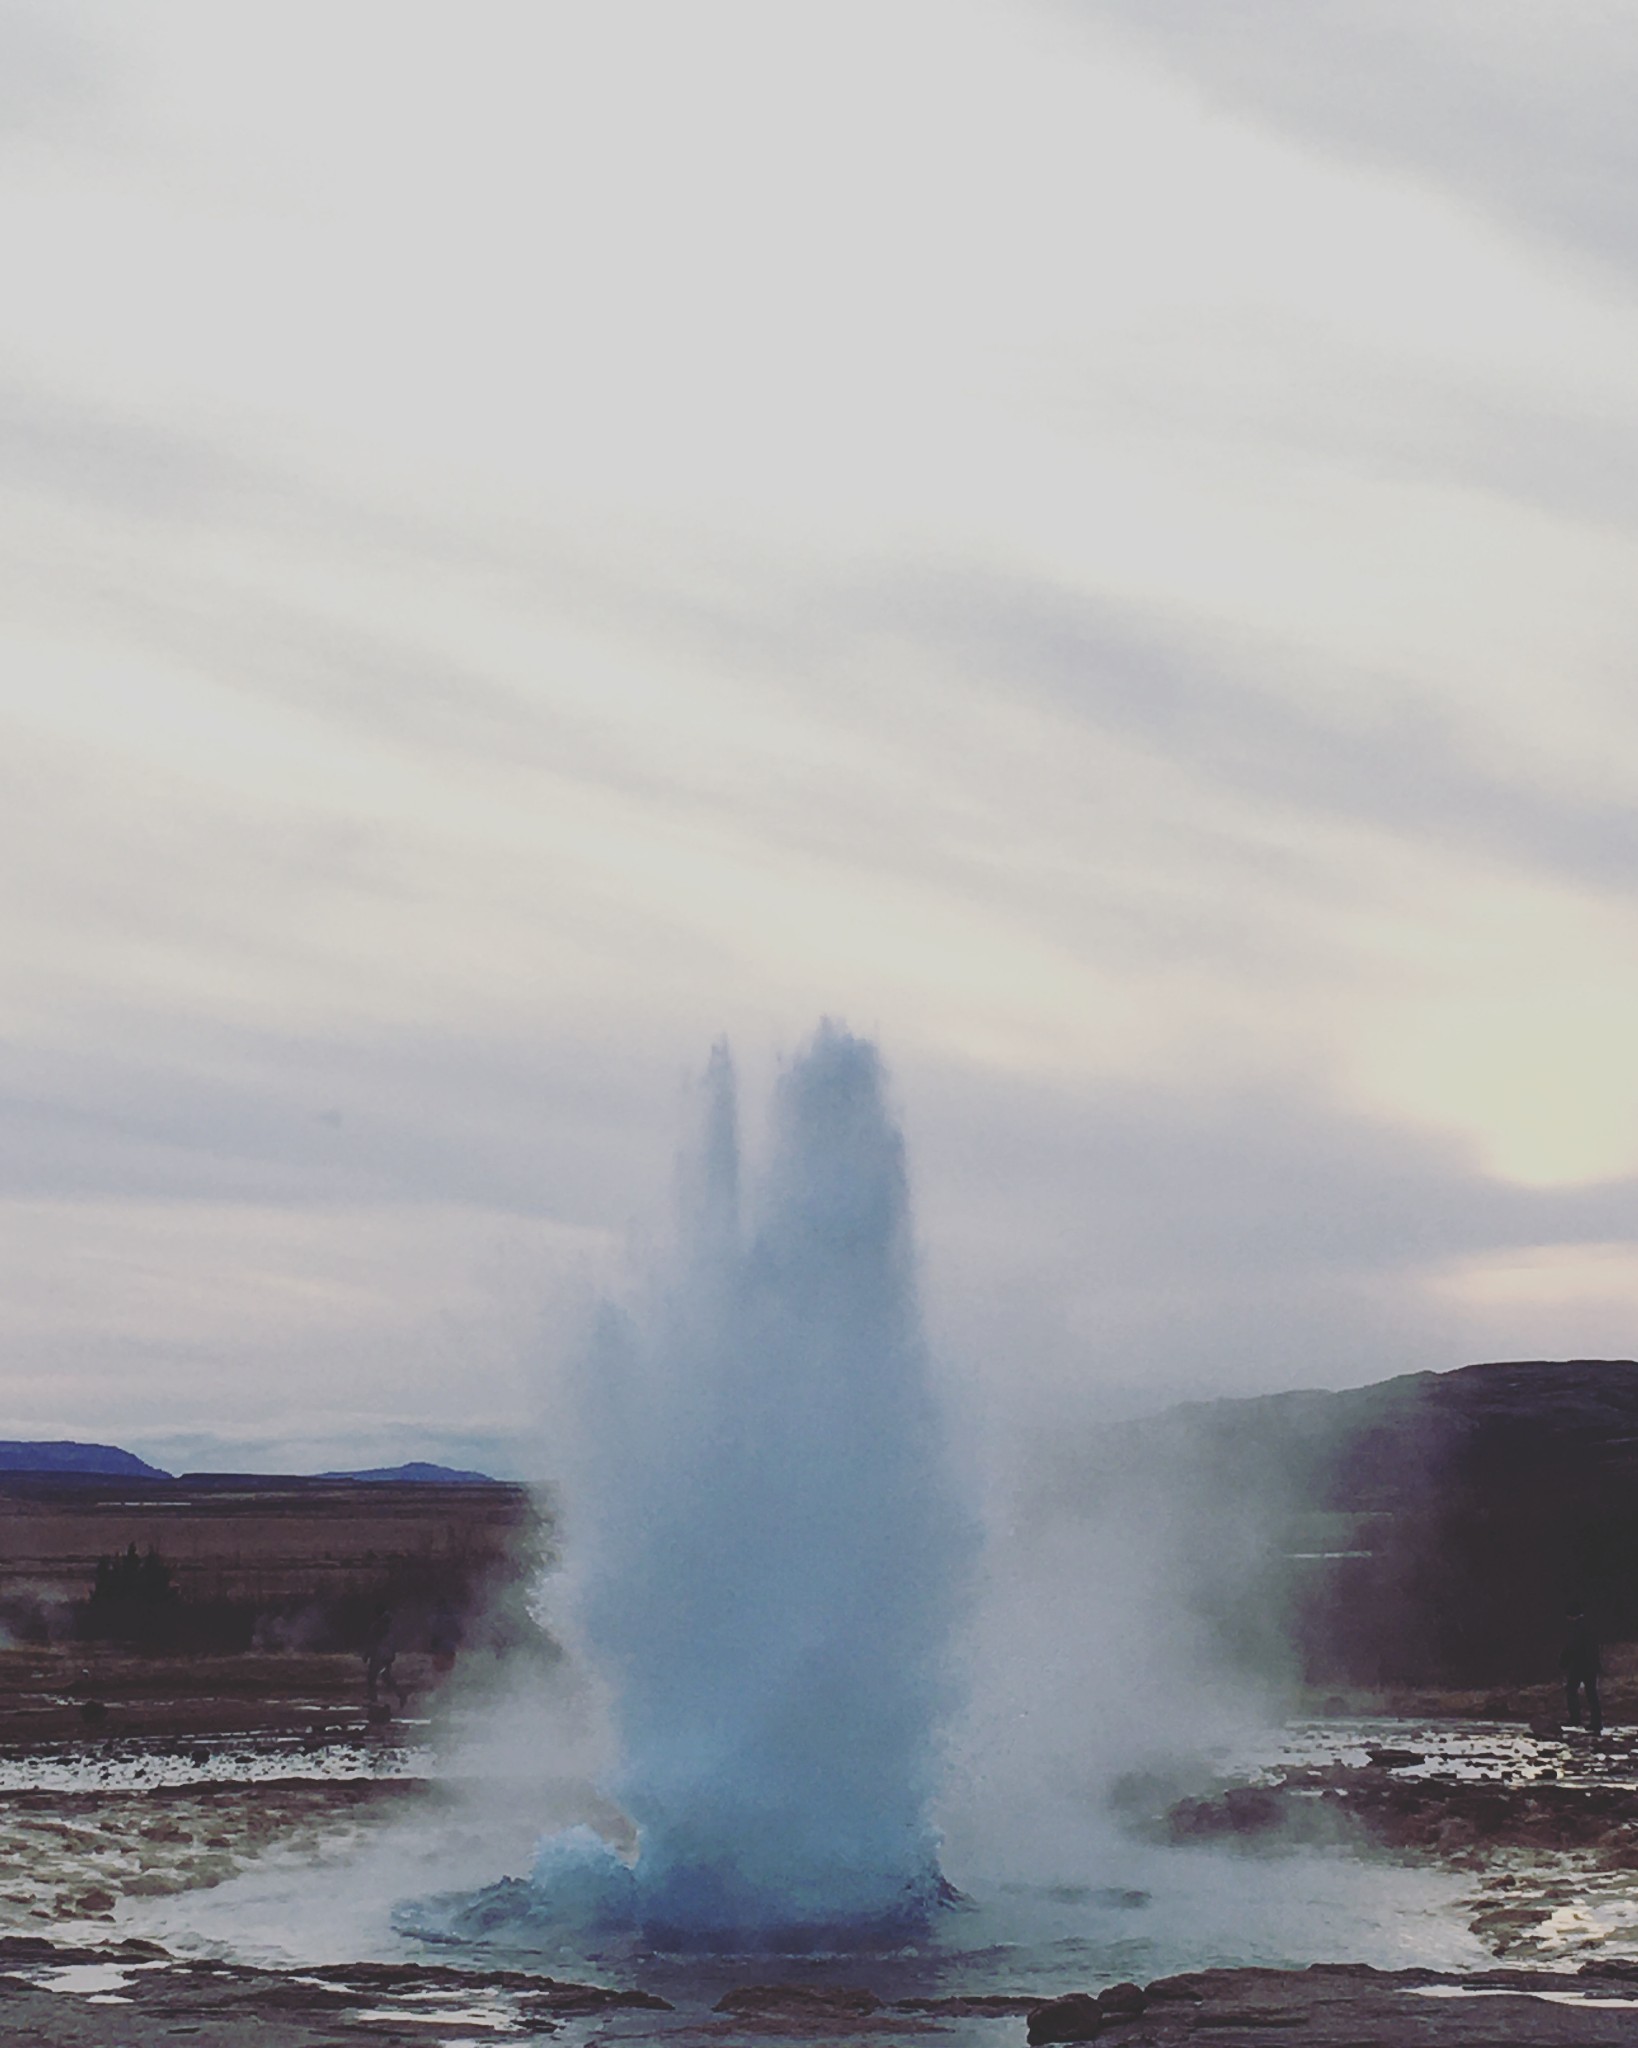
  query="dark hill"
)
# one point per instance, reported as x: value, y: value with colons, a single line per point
x: 1385, y: 1448
x: 1430, y: 1529
x: 417, y: 1473
x: 68, y: 1459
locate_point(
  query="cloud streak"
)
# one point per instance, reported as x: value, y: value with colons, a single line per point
x: 1522, y: 115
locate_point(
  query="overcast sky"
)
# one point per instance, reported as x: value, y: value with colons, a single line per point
x: 1090, y: 539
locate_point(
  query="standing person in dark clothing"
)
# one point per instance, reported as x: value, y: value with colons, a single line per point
x: 1582, y: 1669
x: 380, y: 1651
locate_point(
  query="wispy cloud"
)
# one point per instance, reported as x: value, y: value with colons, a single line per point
x: 1523, y: 115
x: 160, y: 1109
x: 1385, y: 754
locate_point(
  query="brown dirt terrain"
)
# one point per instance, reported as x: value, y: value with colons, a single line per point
x: 265, y: 1594
x: 67, y: 1693
x: 1534, y: 1704
x: 273, y: 1544
x: 80, y: 1691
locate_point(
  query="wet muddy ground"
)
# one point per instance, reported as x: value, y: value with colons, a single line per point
x: 113, y: 1846
x: 75, y: 1692
x: 140, y: 1998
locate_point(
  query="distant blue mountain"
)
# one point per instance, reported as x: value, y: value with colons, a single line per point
x: 92, y: 1461
x: 418, y: 1473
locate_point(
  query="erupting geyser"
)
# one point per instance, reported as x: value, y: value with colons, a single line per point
x: 772, y: 1541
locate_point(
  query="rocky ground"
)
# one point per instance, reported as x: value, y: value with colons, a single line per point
x: 70, y: 1860
x: 1545, y: 1822
x: 1339, y: 2005
x: 133, y: 1993
x: 100, y: 1825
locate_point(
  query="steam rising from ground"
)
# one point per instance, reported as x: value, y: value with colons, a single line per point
x: 770, y: 1566
x: 773, y: 1548
x: 1099, y: 1666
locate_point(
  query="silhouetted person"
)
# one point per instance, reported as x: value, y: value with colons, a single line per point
x: 445, y: 1640
x: 1582, y: 1669
x: 380, y: 1652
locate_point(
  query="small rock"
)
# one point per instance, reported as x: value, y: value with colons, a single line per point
x: 1252, y: 1808
x: 1395, y: 1759
x: 801, y: 2001
x: 1074, y: 2017
x: 1122, y: 2001
x: 1188, y: 1986
x: 1240, y: 1810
